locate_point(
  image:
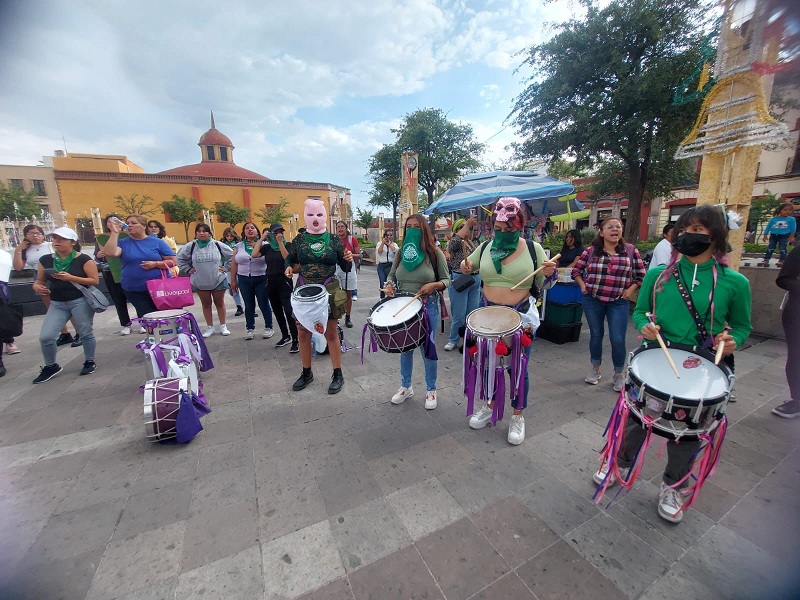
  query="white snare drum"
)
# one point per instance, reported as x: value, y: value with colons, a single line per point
x: 166, y: 322
x: 493, y: 322
x: 684, y: 407
x: 162, y: 399
x: 310, y: 306
x: 405, y: 331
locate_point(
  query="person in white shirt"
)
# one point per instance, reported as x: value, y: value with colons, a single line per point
x: 663, y: 250
x: 385, y: 252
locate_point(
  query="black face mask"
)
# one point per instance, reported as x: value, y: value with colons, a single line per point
x: 692, y: 244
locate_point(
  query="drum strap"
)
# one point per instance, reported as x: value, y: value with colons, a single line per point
x: 703, y: 338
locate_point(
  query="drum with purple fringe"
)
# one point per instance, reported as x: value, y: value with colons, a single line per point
x: 493, y: 347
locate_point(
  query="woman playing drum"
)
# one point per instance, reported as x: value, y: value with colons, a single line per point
x: 419, y: 268
x: 720, y: 296
x: 502, y: 263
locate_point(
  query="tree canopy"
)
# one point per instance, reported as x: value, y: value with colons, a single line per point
x: 183, y: 210
x: 384, y: 176
x: 26, y: 205
x: 231, y: 213
x: 602, y: 91
x: 274, y: 213
x: 364, y: 218
x: 132, y: 204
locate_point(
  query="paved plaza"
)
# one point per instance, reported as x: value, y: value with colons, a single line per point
x: 304, y: 495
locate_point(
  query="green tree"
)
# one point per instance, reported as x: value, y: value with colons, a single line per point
x: 26, y: 205
x: 184, y: 210
x: 274, y: 213
x: 364, y: 218
x: 446, y: 150
x: 602, y: 90
x: 232, y: 214
x: 133, y: 205
x: 559, y: 168
x: 384, y: 177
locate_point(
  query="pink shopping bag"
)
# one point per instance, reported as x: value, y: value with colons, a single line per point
x: 170, y: 292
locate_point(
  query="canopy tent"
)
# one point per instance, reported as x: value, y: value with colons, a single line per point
x: 480, y: 189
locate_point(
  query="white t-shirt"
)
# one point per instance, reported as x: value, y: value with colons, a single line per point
x: 388, y: 253
x: 661, y: 253
x: 5, y: 266
x: 34, y: 253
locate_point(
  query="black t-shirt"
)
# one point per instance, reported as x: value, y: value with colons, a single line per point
x: 568, y: 255
x: 64, y: 291
x: 273, y: 259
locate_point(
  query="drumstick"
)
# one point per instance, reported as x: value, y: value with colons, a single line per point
x: 407, y: 304
x: 720, y: 350
x: 664, y: 347
x: 535, y: 273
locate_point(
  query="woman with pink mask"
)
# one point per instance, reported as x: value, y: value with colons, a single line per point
x: 318, y: 253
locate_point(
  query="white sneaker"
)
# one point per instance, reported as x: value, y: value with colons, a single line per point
x: 268, y: 333
x: 250, y: 334
x: 449, y: 346
x: 670, y: 502
x: 125, y: 331
x: 355, y: 298
x: 593, y: 377
x: 600, y: 476
x: 516, y: 430
x: 430, y: 399
x: 618, y: 382
x: 402, y: 394
x: 223, y: 329
x: 142, y: 329
x: 481, y: 419
x: 209, y: 332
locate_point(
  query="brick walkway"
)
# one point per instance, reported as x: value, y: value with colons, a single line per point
x: 304, y: 495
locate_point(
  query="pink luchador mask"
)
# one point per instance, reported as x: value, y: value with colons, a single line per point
x: 506, y: 209
x: 316, y: 216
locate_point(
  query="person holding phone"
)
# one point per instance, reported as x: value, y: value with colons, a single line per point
x: 386, y: 251
x: 465, y: 301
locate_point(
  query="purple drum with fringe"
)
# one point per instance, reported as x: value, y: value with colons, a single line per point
x: 398, y: 329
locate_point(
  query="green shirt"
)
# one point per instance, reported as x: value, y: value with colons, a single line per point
x: 410, y: 282
x: 731, y: 302
x: 512, y: 273
x: 113, y: 262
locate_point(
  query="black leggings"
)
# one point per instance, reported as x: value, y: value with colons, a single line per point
x: 119, y: 298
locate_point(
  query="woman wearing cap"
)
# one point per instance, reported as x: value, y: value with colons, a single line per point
x: 142, y: 258
x: 248, y: 278
x: 464, y: 302
x: 57, y: 276
x: 279, y: 287
x: 503, y: 262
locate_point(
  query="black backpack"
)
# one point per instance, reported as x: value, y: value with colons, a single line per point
x: 535, y: 291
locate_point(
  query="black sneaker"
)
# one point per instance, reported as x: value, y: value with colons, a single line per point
x: 64, y: 339
x: 347, y: 321
x: 239, y: 311
x: 48, y: 373
x: 88, y: 367
x: 77, y: 342
x: 295, y: 347
x: 2, y: 369
x: 283, y: 341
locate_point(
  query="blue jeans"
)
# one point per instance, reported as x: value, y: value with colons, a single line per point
x: 142, y: 302
x: 254, y: 289
x: 383, y: 273
x: 407, y: 358
x: 461, y: 304
x: 617, y: 313
x: 237, y: 297
x: 777, y: 240
x: 57, y: 316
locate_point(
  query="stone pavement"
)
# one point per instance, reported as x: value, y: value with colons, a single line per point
x: 305, y: 495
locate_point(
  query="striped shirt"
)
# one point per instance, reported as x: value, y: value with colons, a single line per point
x: 606, y: 277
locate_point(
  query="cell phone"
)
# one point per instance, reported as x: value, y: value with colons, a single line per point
x: 473, y: 212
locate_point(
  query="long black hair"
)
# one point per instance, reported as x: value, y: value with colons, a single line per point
x: 576, y: 237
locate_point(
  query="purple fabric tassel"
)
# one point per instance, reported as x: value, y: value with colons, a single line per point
x: 187, y: 423
x: 465, y: 360
x: 499, y: 397
x: 469, y: 389
x: 429, y: 345
x: 521, y: 383
x: 206, y: 364
x: 200, y: 404
x: 481, y: 359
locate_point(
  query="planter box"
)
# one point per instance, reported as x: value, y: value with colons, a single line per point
x: 563, y: 314
x: 559, y: 334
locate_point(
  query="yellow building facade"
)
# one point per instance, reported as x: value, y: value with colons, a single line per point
x: 88, y: 183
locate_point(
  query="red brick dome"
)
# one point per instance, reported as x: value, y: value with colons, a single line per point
x: 213, y: 137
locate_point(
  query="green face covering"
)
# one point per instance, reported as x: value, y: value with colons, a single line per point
x: 503, y: 245
x: 273, y: 242
x: 411, y: 253
x: 317, y: 242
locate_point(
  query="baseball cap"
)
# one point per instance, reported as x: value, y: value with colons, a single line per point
x: 66, y: 233
x: 275, y: 227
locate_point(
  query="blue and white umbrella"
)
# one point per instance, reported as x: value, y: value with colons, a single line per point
x: 481, y: 189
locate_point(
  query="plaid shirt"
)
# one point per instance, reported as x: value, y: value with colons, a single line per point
x: 606, y: 276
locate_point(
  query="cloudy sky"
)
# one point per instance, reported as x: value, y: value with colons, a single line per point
x: 306, y: 89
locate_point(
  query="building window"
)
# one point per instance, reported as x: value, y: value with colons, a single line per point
x: 210, y: 153
x: 223, y: 154
x: 38, y: 186
x: 16, y: 184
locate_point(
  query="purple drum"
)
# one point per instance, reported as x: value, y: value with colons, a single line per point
x: 398, y: 329
x: 162, y: 398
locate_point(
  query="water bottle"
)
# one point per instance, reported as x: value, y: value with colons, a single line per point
x: 120, y: 222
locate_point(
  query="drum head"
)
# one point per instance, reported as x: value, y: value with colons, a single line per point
x: 165, y: 314
x: 382, y: 314
x: 310, y: 292
x: 491, y: 321
x: 700, y: 378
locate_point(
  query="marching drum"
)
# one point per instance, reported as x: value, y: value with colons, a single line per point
x: 165, y: 322
x: 679, y: 408
x: 162, y: 400
x: 494, y: 322
x: 310, y: 306
x: 400, y: 333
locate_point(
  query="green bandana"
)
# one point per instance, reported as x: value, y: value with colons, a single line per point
x: 62, y: 264
x: 503, y: 245
x: 230, y: 244
x: 317, y: 242
x: 203, y: 244
x: 273, y: 243
x: 411, y: 253
x: 248, y: 247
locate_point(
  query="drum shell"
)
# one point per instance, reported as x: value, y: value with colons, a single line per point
x: 160, y: 406
x: 152, y: 321
x: 299, y: 297
x: 402, y: 336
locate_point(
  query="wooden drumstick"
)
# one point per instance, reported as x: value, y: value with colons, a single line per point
x: 664, y: 347
x: 535, y: 273
x: 407, y: 304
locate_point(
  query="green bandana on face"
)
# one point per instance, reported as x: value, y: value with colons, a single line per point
x: 411, y: 253
x: 317, y: 242
x: 503, y: 245
x: 273, y: 243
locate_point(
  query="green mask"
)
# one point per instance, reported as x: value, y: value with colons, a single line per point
x: 411, y: 253
x: 503, y: 245
x: 273, y: 242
